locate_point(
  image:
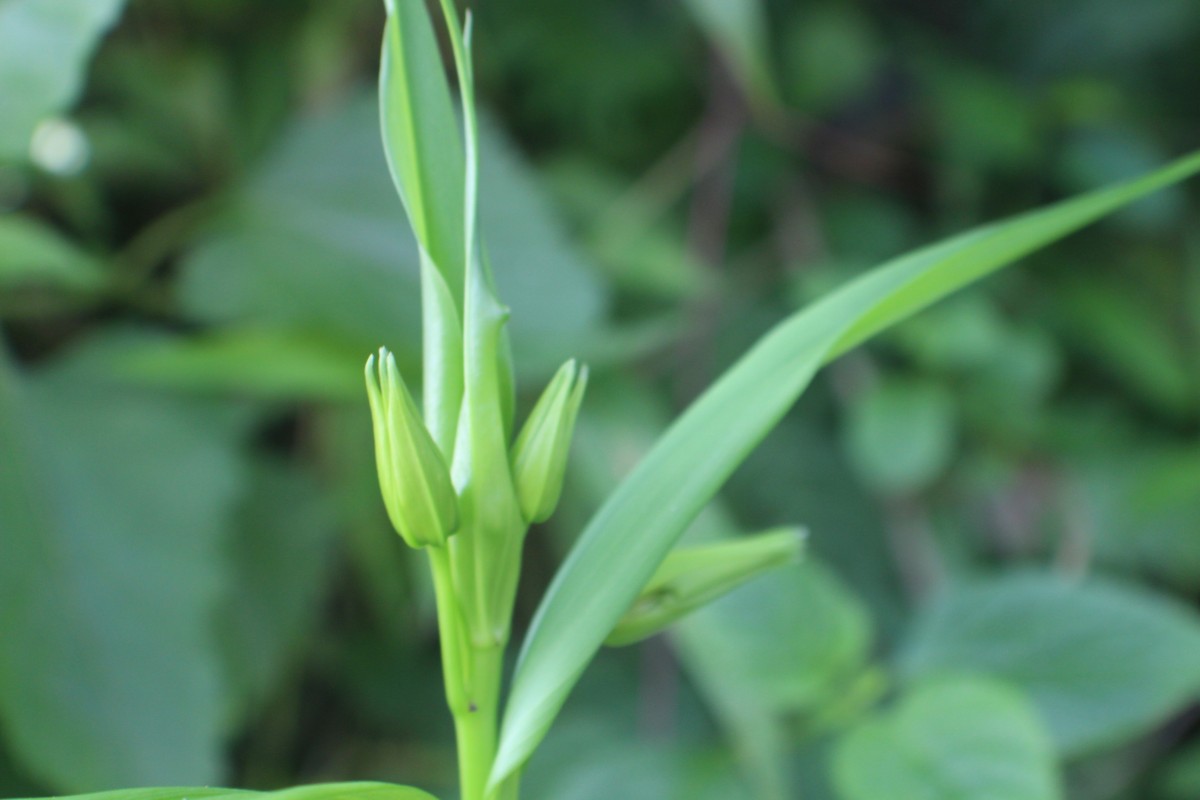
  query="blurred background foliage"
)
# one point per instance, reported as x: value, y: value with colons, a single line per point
x: 199, y: 244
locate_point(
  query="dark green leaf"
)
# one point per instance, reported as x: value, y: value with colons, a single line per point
x: 1102, y: 662
x: 112, y: 508
x: 950, y: 739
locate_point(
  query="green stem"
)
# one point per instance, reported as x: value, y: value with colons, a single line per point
x: 476, y: 726
x: 451, y: 631
x: 472, y: 677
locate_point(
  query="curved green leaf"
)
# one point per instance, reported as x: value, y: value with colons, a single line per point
x: 320, y: 791
x: 646, y: 515
x: 421, y: 138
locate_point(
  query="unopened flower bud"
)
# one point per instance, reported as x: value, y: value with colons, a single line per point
x: 692, y: 577
x: 413, y: 476
x: 539, y: 456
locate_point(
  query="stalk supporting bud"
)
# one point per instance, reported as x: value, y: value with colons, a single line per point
x: 692, y: 577
x: 539, y: 456
x: 413, y: 476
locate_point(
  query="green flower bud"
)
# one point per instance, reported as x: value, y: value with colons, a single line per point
x: 692, y: 577
x: 539, y: 456
x: 413, y: 477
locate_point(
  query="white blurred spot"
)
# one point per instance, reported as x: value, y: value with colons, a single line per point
x: 59, y: 146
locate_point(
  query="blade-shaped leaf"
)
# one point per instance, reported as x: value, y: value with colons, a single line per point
x: 320, y: 791
x: 641, y: 520
x: 421, y: 138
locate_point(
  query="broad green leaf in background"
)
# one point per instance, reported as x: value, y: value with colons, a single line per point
x: 1101, y: 661
x: 788, y: 644
x: 900, y: 434
x: 739, y: 31
x: 112, y: 508
x: 44, y: 49
x: 645, y: 516
x: 315, y: 243
x: 280, y: 557
x: 809, y: 638
x: 32, y: 254
x: 957, y: 738
x: 320, y: 791
x: 268, y: 364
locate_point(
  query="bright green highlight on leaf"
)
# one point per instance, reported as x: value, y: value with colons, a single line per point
x: 637, y: 526
x: 692, y: 577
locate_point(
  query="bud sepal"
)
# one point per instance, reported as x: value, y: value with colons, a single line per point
x: 539, y: 456
x: 413, y: 477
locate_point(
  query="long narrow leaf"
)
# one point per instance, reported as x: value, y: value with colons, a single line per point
x: 421, y: 138
x: 425, y: 155
x: 632, y: 533
x: 321, y: 791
